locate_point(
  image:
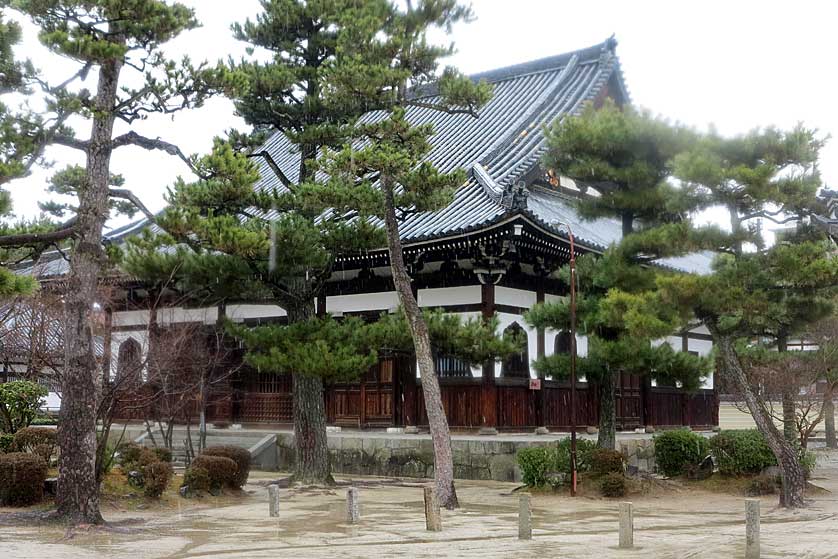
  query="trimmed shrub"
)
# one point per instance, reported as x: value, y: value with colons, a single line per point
x: 613, y: 485
x: 606, y: 461
x: 129, y: 456
x: 20, y: 401
x: 536, y: 462
x: 197, y: 479
x: 762, y: 485
x: 7, y: 443
x: 741, y: 451
x: 156, y: 478
x: 163, y: 454
x: 36, y: 440
x: 239, y: 455
x: 22, y: 478
x: 539, y: 462
x: 676, y: 450
x: 221, y: 470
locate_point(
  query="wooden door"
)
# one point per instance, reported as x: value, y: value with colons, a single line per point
x: 629, y: 401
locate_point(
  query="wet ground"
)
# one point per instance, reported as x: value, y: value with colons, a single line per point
x: 671, y: 523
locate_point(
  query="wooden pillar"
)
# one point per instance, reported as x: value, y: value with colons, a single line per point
x: 320, y: 308
x: 540, y: 395
x: 489, y: 395
x: 646, y: 400
x: 410, y: 408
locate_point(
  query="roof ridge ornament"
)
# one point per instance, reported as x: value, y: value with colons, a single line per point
x: 515, y: 196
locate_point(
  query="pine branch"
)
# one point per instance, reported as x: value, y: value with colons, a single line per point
x: 151, y: 144
x: 70, y: 142
x: 23, y: 239
x: 442, y: 108
x: 125, y: 194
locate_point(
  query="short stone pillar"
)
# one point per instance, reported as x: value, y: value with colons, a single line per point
x: 524, y: 517
x: 433, y: 519
x: 353, y: 508
x: 273, y: 500
x: 752, y: 529
x: 626, y: 526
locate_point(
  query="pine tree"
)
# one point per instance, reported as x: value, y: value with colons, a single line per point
x: 386, y: 65
x: 621, y: 315
x: 110, y: 40
x: 754, y: 290
x: 625, y: 157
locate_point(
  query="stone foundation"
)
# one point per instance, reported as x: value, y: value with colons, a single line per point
x: 476, y: 458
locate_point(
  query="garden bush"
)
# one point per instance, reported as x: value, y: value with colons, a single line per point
x: 538, y: 462
x: 36, y: 440
x: 22, y: 478
x: 606, y: 461
x: 239, y: 455
x: 613, y: 485
x: 221, y: 470
x: 676, y: 450
x: 197, y: 479
x: 129, y: 455
x: 762, y: 485
x: 20, y: 401
x: 163, y: 454
x: 156, y: 478
x: 7, y: 443
x: 741, y: 451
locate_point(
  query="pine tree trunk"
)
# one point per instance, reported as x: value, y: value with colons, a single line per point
x: 437, y: 421
x: 312, y: 464
x: 789, y: 417
x: 794, y: 480
x: 78, y: 491
x: 829, y: 419
x: 607, y: 437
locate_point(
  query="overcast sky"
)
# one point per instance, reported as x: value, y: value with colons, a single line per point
x: 736, y: 64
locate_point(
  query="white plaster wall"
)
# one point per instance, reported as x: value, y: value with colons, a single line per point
x: 548, y: 298
x: 130, y: 318
x: 384, y: 300
x: 444, y: 296
x: 514, y: 297
x: 238, y: 313
x: 178, y: 315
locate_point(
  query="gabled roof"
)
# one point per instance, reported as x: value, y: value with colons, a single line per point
x: 499, y: 149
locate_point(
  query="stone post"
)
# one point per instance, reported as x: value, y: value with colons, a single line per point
x: 524, y: 517
x: 353, y: 509
x: 752, y: 529
x: 433, y: 520
x: 273, y: 500
x: 626, y: 526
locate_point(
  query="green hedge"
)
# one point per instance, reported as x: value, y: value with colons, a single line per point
x: 538, y: 462
x: 22, y: 478
x: 676, y: 450
x: 741, y: 451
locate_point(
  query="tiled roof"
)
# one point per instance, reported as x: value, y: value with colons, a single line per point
x: 499, y: 148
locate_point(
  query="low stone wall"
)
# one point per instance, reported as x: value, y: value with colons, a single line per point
x: 478, y: 458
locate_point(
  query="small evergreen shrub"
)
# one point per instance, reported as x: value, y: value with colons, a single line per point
x: 763, y: 485
x: 676, y: 450
x: 22, y: 478
x: 197, y: 479
x: 156, y: 478
x: 163, y: 454
x: 129, y: 455
x: 36, y: 440
x: 221, y: 470
x: 605, y: 461
x: 613, y: 485
x: 20, y: 401
x: 239, y: 455
x: 537, y: 463
x: 741, y: 451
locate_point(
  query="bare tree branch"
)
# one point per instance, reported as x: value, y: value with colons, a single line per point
x: 275, y: 168
x: 151, y: 144
x: 125, y: 194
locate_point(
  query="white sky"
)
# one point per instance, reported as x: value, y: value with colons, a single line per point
x: 736, y: 64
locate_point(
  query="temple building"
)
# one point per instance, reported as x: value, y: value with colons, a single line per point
x: 494, y: 249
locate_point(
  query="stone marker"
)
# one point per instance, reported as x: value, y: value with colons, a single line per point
x: 524, y: 517
x: 273, y: 500
x: 752, y: 529
x: 353, y: 508
x: 626, y: 526
x: 433, y: 520
x: 542, y: 431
